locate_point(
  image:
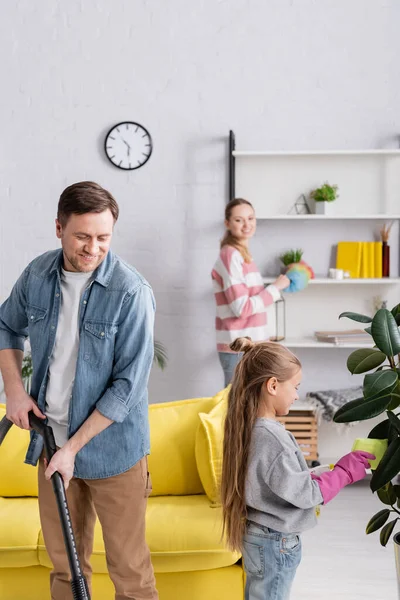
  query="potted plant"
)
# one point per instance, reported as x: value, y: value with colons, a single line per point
x: 291, y: 256
x: 322, y: 196
x: 291, y: 261
x: 381, y: 394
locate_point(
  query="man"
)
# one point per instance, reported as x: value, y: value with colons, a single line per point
x: 89, y: 317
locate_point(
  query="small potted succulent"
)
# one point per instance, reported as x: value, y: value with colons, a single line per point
x: 323, y: 196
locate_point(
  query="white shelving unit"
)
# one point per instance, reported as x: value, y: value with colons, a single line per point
x: 309, y: 342
x: 328, y: 281
x: 312, y: 217
x: 285, y: 153
x: 369, y: 195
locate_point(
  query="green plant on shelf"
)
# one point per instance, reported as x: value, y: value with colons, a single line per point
x: 325, y: 193
x: 381, y: 392
x: 291, y: 256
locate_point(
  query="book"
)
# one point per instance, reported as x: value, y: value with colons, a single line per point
x: 353, y: 336
x: 348, y: 257
x: 364, y: 261
x: 378, y: 259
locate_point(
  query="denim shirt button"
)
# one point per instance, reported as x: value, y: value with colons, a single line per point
x: 57, y: 295
x: 86, y: 357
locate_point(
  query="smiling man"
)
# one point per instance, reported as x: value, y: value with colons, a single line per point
x: 89, y: 318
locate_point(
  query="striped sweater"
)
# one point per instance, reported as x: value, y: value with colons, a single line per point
x: 241, y: 299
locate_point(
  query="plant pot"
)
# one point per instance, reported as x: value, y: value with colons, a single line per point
x: 323, y: 208
x: 396, y: 540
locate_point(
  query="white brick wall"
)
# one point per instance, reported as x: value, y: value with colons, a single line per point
x: 284, y: 74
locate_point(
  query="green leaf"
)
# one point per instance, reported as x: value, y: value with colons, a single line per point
x: 160, y: 355
x: 397, y: 490
x: 364, y: 359
x: 385, y: 332
x: 387, y: 532
x: 396, y: 313
x: 394, y: 421
x: 379, y: 384
x: 392, y: 435
x: 361, y: 410
x: 368, y: 330
x: 356, y: 317
x: 380, y: 431
x: 388, y: 468
x: 387, y: 495
x: 377, y: 521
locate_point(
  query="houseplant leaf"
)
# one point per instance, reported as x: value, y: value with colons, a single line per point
x: 364, y: 359
x: 387, y: 495
x: 380, y: 431
x: 387, y: 532
x: 396, y: 313
x: 379, y: 384
x: 361, y: 410
x: 377, y: 521
x: 388, y: 468
x: 385, y: 332
x: 394, y: 421
x: 356, y: 317
x: 160, y: 355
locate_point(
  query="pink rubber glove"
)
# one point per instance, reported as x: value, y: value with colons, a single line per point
x: 348, y: 469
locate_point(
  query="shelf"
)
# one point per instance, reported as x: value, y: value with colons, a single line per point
x: 310, y: 342
x: 284, y: 153
x: 312, y: 217
x: 329, y: 281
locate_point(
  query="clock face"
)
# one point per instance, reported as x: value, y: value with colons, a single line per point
x: 128, y: 145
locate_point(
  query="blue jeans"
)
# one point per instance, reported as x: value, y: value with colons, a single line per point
x: 228, y: 361
x: 270, y: 561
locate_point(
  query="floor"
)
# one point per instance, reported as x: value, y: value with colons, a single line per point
x: 339, y: 560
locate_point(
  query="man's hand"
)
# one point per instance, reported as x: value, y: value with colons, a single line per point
x: 18, y: 405
x: 63, y: 461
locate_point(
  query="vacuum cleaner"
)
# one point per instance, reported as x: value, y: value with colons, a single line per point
x: 78, y: 581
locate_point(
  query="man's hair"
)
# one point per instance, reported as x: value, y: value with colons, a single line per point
x: 84, y: 197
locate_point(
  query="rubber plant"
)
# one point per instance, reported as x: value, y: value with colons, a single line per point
x: 381, y: 393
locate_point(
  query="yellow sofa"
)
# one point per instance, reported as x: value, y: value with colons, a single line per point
x: 183, y: 523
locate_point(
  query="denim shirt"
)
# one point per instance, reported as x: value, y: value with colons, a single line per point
x: 116, y: 319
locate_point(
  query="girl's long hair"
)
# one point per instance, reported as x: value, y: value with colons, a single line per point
x: 260, y: 362
x: 229, y: 239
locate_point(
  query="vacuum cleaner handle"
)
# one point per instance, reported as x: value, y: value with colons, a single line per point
x: 78, y: 581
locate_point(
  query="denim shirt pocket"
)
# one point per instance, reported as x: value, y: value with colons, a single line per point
x: 36, y: 324
x: 98, y: 342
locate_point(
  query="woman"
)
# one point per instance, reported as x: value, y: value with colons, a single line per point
x: 239, y: 291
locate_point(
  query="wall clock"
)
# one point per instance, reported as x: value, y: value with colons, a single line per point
x: 128, y: 145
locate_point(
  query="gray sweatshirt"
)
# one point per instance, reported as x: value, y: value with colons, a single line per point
x: 279, y: 490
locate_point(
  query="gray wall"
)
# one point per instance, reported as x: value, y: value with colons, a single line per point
x: 283, y: 74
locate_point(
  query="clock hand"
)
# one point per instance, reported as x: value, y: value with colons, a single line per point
x: 128, y: 147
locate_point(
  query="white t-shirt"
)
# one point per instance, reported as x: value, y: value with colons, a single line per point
x: 65, y: 352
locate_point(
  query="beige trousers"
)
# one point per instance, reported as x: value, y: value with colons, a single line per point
x: 120, y: 503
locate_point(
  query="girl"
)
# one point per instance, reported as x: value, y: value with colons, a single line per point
x: 268, y: 494
x: 239, y: 291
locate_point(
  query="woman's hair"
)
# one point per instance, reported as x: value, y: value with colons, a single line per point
x: 260, y: 362
x: 229, y: 239
x: 85, y: 197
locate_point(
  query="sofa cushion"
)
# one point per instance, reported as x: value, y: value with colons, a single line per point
x: 19, y: 532
x: 209, y: 448
x: 17, y: 478
x: 183, y: 533
x: 172, y: 462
